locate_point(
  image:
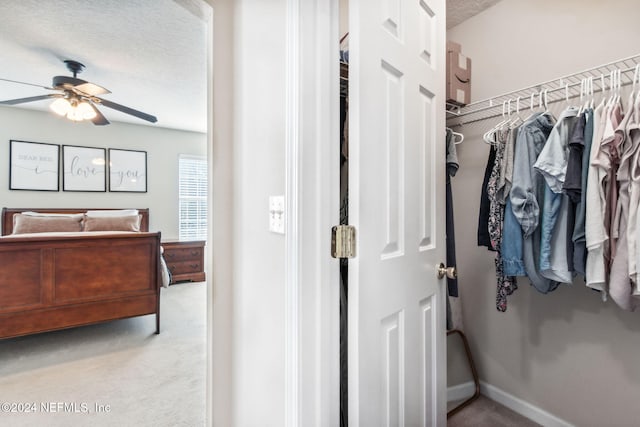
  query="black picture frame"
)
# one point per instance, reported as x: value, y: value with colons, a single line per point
x: 84, y: 169
x: 34, y: 166
x: 127, y: 171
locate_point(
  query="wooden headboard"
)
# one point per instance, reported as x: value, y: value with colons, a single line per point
x: 8, y: 213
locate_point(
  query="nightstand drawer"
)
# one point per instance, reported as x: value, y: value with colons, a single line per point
x: 183, y: 254
x: 184, y: 267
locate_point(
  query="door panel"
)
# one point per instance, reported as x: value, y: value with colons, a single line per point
x: 392, y: 122
x: 428, y: 142
x: 396, y: 201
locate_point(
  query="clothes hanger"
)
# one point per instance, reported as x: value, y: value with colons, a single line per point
x: 583, y: 85
x: 634, y: 82
x: 614, y: 89
x: 457, y: 135
x: 545, y: 94
x: 489, y: 136
x: 603, y: 87
x: 636, y: 103
x: 531, y: 103
x: 518, y: 118
x: 611, y: 82
x: 619, y: 88
x: 510, y: 121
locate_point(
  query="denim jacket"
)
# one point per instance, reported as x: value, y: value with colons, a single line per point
x: 526, y: 197
x: 527, y: 188
x: 556, y: 247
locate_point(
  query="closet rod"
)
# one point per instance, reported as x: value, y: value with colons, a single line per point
x: 492, y: 107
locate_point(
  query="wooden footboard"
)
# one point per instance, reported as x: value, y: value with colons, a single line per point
x: 49, y: 283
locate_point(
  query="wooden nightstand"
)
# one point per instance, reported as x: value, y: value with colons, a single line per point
x: 185, y: 260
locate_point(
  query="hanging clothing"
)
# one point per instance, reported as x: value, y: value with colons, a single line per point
x: 505, y: 284
x: 512, y: 258
x: 580, y: 144
x: 620, y: 285
x: 633, y: 230
x: 595, y: 232
x: 483, y: 217
x: 451, y: 169
x: 610, y: 145
x: 505, y: 179
x: 556, y: 247
x: 527, y: 193
x: 561, y: 198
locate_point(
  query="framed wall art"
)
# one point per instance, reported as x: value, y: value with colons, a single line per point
x: 127, y: 171
x: 34, y: 166
x: 84, y: 168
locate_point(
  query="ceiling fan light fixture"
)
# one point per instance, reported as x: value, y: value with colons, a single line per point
x: 74, y: 114
x: 60, y: 106
x: 73, y: 109
x: 78, y: 99
x: 86, y: 111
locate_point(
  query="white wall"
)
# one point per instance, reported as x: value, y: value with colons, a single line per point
x: 258, y: 255
x: 162, y: 146
x: 566, y: 352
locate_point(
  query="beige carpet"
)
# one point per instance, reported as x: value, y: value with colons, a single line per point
x: 484, y: 412
x: 69, y: 378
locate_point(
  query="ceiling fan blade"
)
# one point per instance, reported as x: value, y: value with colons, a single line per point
x: 99, y: 119
x: 30, y: 99
x: 91, y: 89
x: 127, y: 110
x: 25, y: 83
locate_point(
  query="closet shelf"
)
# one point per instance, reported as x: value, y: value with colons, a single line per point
x: 558, y: 89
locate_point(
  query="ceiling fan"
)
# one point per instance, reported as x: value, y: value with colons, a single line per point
x: 78, y: 99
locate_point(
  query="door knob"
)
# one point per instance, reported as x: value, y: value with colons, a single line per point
x: 450, y: 272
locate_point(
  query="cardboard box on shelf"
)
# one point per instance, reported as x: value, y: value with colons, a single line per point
x: 453, y: 46
x: 458, y: 78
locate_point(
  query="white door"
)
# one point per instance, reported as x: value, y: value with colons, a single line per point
x: 396, y: 202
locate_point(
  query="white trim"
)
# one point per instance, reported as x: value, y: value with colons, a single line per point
x: 526, y: 409
x: 460, y: 391
x: 292, y: 206
x: 207, y: 10
x: 523, y: 408
x: 318, y: 171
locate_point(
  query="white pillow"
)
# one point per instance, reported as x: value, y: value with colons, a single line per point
x: 69, y: 215
x: 112, y: 213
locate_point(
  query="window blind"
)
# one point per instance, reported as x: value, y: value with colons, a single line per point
x: 192, y: 197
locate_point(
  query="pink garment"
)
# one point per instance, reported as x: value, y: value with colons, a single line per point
x: 633, y: 134
x: 610, y: 146
x: 620, y: 285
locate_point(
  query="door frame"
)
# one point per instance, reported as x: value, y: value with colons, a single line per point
x: 312, y: 333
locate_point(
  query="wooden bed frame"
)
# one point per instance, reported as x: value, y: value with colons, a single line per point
x: 56, y: 282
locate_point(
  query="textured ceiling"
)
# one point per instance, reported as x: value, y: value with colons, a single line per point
x: 460, y: 10
x: 151, y: 54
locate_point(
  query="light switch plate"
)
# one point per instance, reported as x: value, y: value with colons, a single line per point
x: 276, y: 214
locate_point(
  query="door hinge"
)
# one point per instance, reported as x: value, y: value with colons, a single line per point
x: 343, y: 241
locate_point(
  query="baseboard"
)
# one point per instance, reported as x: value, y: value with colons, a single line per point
x: 523, y: 408
x: 460, y: 391
x: 526, y: 409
